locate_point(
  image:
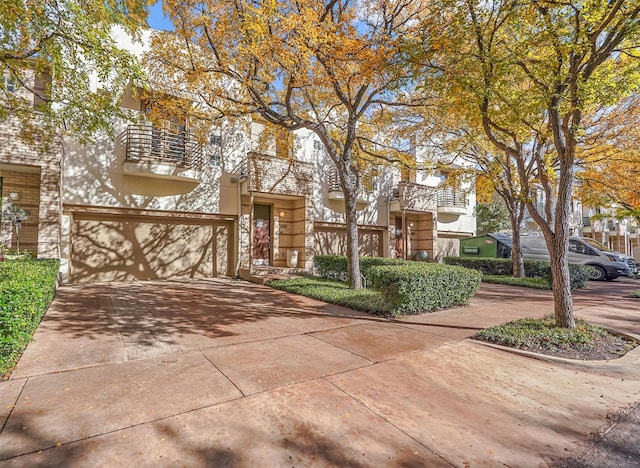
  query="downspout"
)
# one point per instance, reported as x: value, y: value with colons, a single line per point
x: 241, y: 178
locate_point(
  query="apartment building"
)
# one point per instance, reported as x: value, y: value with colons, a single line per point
x: 165, y: 199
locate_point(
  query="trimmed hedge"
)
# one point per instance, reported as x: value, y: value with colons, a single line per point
x: 335, y: 266
x: 419, y: 287
x: 408, y: 287
x: 579, y: 274
x: 27, y: 287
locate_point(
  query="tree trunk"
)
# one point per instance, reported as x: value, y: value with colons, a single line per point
x: 516, y: 253
x: 562, y: 298
x: 516, y: 250
x: 558, y: 245
x: 353, y: 257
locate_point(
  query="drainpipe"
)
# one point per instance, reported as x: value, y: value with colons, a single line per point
x: 240, y: 180
x: 405, y: 243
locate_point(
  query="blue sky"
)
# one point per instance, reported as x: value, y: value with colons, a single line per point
x: 157, y: 20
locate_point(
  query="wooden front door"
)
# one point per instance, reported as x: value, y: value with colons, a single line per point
x: 261, y: 235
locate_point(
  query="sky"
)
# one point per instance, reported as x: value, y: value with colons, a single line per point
x: 157, y: 19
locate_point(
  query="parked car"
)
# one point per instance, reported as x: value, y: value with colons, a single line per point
x: 584, y: 251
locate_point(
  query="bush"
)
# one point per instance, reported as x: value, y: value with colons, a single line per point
x: 579, y: 274
x: 533, y: 283
x: 335, y: 266
x: 412, y: 287
x: 27, y: 287
x: 635, y: 294
x: 488, y: 265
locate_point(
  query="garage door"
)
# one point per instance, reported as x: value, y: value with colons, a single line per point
x: 123, y: 248
x: 333, y: 241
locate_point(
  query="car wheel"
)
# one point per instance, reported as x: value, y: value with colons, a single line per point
x: 600, y: 274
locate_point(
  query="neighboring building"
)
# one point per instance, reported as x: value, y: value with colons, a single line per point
x: 167, y: 200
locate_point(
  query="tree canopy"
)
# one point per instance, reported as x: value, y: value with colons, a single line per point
x: 57, y: 50
x: 525, y: 73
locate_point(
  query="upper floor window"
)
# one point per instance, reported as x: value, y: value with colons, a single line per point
x: 41, y: 90
x: 215, y: 149
x: 9, y: 84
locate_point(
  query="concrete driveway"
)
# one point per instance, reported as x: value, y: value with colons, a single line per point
x: 228, y: 373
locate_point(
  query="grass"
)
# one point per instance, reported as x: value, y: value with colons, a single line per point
x: 585, y: 341
x: 336, y: 292
x: 635, y: 294
x: 526, y: 282
x: 533, y: 333
x: 27, y: 287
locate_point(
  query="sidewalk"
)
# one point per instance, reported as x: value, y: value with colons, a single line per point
x: 228, y: 373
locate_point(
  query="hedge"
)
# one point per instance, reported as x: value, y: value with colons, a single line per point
x: 27, y: 287
x: 335, y: 266
x: 579, y: 274
x: 418, y: 287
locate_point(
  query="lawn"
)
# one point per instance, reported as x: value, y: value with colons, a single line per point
x: 336, y: 292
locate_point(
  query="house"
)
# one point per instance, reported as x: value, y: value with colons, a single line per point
x: 169, y: 198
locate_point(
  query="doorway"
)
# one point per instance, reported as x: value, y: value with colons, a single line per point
x: 399, y: 245
x: 261, y: 235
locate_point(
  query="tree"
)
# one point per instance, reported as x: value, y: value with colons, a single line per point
x: 609, y: 160
x: 333, y: 68
x: 55, y: 51
x: 491, y: 215
x: 525, y: 73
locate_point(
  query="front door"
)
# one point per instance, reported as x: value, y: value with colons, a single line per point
x: 261, y: 235
x: 399, y: 239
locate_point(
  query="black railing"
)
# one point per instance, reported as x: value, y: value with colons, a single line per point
x: 147, y: 143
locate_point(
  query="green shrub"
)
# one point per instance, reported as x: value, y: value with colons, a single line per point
x: 335, y: 266
x: 635, y: 294
x: 487, y: 265
x: 534, y: 283
x: 413, y: 287
x: 27, y: 287
x: 579, y: 274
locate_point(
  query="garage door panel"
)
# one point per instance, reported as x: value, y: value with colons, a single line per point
x: 334, y: 242
x: 124, y: 249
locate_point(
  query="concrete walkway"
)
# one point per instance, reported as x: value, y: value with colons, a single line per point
x: 228, y: 373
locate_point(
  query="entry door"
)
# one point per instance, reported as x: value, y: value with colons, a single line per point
x: 399, y: 239
x: 261, y: 235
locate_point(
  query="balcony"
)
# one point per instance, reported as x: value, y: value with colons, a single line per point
x: 157, y: 152
x: 335, y: 195
x: 412, y: 197
x: 277, y: 176
x: 451, y: 202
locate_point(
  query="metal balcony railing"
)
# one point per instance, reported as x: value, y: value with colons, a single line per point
x: 147, y: 143
x: 451, y: 198
x: 271, y: 174
x: 415, y: 197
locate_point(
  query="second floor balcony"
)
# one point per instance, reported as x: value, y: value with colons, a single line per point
x: 275, y: 175
x: 451, y: 201
x: 146, y: 143
x: 335, y: 192
x: 413, y: 197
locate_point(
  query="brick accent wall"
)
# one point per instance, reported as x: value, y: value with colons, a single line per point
x: 34, y: 173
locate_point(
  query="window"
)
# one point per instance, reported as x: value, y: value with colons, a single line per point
x: 41, y: 91
x: 215, y: 149
x: 9, y: 84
